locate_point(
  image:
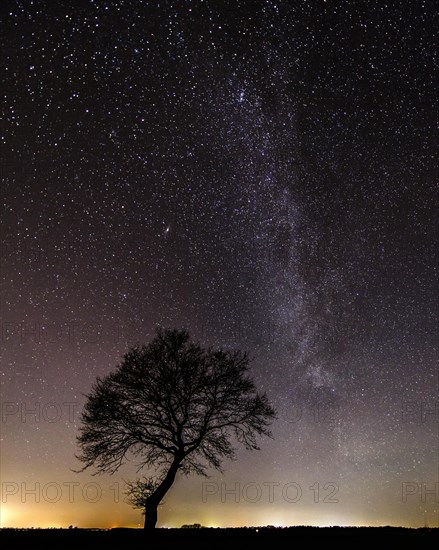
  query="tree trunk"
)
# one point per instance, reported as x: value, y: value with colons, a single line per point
x: 150, y: 516
x: 157, y: 496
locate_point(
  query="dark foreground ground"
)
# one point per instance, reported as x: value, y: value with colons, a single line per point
x: 248, y: 538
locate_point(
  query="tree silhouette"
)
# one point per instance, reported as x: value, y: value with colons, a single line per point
x: 139, y: 491
x: 175, y: 406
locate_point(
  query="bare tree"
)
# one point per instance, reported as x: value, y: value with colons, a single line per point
x: 175, y: 407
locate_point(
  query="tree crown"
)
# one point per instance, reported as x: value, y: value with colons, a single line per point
x: 173, y: 401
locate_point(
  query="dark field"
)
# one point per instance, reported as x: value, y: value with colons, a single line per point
x: 208, y: 538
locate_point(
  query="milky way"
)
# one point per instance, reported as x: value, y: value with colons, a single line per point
x: 261, y: 173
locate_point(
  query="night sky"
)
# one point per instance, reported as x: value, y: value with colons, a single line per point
x: 261, y: 173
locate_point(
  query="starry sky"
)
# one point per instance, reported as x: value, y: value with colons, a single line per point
x: 262, y: 173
